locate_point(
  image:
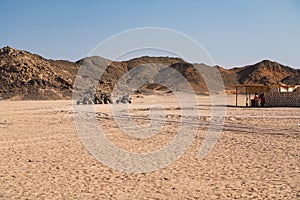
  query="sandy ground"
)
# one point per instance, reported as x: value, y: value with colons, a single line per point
x: 42, y: 157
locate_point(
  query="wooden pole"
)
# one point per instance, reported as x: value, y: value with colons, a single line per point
x: 236, y: 96
x: 246, y: 97
x: 249, y: 99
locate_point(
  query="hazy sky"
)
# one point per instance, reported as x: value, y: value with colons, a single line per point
x: 234, y: 33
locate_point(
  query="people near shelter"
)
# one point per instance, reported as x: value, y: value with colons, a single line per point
x: 256, y: 100
x: 262, y: 100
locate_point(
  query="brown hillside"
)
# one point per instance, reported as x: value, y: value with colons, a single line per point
x: 28, y: 76
x: 267, y: 72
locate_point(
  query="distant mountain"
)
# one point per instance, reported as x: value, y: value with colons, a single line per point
x: 266, y: 72
x: 29, y: 76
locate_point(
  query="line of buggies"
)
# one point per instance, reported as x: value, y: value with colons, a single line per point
x: 103, y: 98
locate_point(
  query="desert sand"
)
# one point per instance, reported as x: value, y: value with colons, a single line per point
x: 42, y: 157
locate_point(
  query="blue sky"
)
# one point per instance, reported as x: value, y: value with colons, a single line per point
x: 234, y: 32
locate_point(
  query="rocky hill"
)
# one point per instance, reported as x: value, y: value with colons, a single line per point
x: 29, y: 76
x: 266, y: 72
x: 116, y: 70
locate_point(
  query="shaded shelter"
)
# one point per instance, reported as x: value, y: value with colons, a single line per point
x: 276, y: 95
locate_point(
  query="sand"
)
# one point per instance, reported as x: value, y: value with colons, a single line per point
x: 42, y: 157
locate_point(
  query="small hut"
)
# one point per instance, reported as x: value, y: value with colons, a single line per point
x: 275, y: 95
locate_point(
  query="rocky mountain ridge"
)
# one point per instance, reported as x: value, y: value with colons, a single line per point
x: 24, y: 75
